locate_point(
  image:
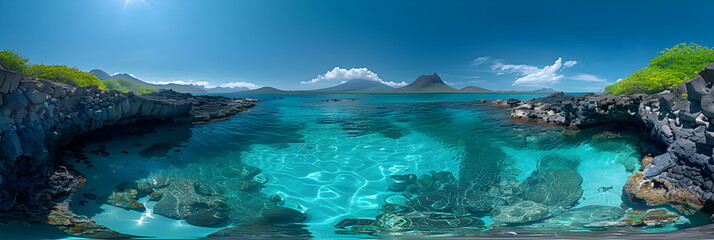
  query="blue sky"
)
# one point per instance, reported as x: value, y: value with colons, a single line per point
x: 499, y: 45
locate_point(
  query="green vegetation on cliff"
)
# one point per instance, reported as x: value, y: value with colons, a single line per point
x: 126, y: 86
x: 13, y: 61
x: 672, y: 67
x: 64, y: 74
x: 68, y: 75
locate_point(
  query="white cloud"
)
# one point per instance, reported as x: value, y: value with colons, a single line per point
x: 480, y: 60
x: 237, y: 85
x: 502, y: 68
x: 588, y: 78
x: 570, y: 63
x: 546, y: 75
x: 532, y: 75
x: 352, y: 73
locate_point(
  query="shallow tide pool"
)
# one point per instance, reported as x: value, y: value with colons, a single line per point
x: 338, y: 160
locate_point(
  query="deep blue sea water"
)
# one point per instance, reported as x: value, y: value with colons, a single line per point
x: 333, y: 160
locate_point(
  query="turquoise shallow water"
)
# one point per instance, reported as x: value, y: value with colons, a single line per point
x: 334, y: 160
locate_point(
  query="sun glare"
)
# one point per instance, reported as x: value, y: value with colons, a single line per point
x: 128, y: 3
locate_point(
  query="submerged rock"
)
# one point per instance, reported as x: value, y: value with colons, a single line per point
x: 260, y: 231
x: 156, y: 196
x: 642, y: 217
x: 552, y: 162
x: 275, y: 198
x: 283, y: 215
x: 575, y: 219
x: 358, y: 226
x: 425, y: 220
x: 555, y: 188
x: 125, y: 200
x: 526, y: 211
x: 81, y: 226
x: 180, y: 200
x: 207, y: 219
x: 159, y: 181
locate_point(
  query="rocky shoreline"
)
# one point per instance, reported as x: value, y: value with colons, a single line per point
x: 681, y: 176
x: 38, y: 117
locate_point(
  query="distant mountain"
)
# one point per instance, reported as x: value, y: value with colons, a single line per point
x: 126, y: 86
x: 100, y: 74
x: 427, y: 84
x: 474, y: 89
x: 127, y: 77
x: 265, y: 90
x: 357, y: 86
x: 545, y: 90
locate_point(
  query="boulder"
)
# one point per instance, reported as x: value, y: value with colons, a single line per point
x: 11, y: 145
x: 11, y: 81
x: 710, y: 138
x: 696, y: 88
x: 708, y: 105
x: 33, y: 143
x: 667, y: 100
x: 6, y: 123
x: 708, y: 73
x: 35, y: 96
x: 659, y: 164
x: 15, y: 101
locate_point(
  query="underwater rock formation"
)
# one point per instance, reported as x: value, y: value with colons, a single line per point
x: 37, y: 117
x: 389, y: 223
x: 81, y: 226
x: 263, y: 231
x: 125, y: 200
x: 181, y: 199
x: 521, y: 212
x: 283, y: 215
x: 208, y: 204
x: 659, y: 191
x: 576, y: 219
x: 680, y: 120
x: 642, y: 217
x: 554, y: 188
x: 439, y: 202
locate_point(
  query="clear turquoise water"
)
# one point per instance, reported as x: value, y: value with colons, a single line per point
x: 333, y: 160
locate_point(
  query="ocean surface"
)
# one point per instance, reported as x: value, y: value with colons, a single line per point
x: 334, y: 160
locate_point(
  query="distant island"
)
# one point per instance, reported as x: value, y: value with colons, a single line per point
x: 183, y: 88
x: 424, y: 84
x: 546, y: 90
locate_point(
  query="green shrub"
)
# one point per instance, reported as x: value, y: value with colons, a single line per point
x: 13, y: 61
x: 64, y: 74
x: 126, y: 86
x: 672, y: 67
